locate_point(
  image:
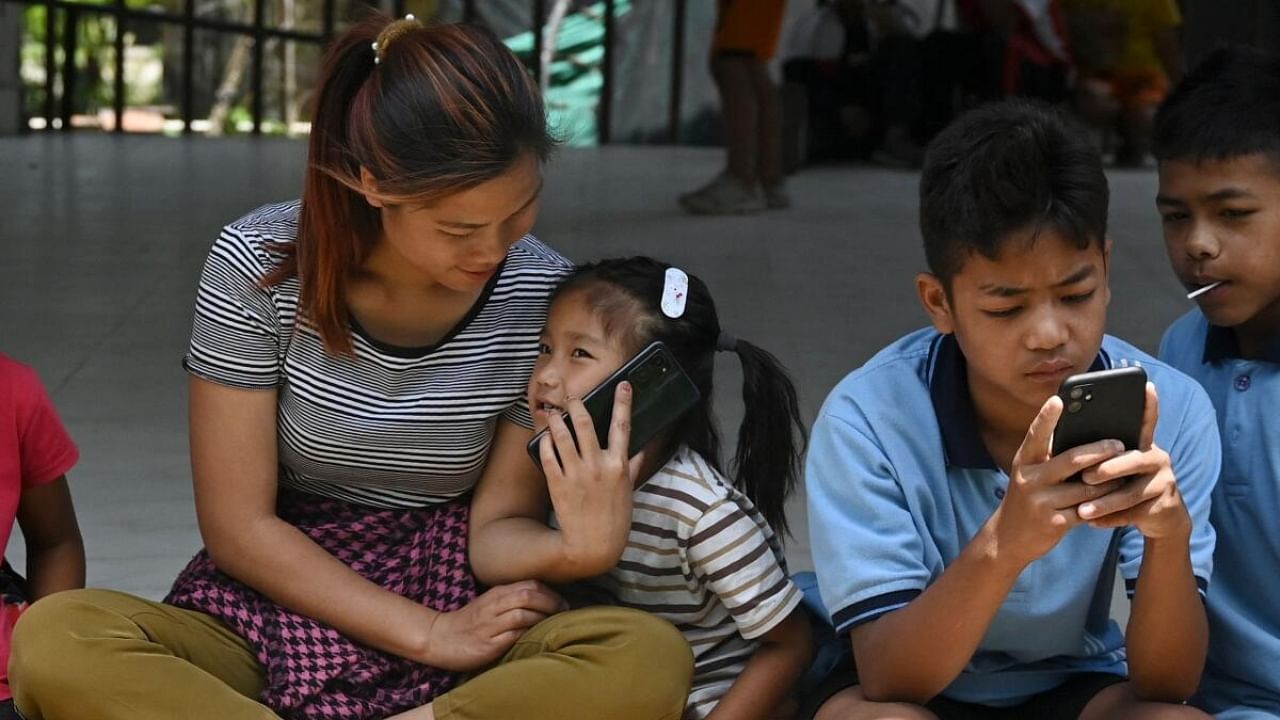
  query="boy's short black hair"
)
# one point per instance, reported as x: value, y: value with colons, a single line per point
x: 1228, y: 106
x: 1002, y: 168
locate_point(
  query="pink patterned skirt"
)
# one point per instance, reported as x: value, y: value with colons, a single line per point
x: 313, y: 671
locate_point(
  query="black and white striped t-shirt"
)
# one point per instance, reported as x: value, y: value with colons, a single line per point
x: 390, y: 427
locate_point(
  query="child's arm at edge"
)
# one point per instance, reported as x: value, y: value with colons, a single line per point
x: 771, y: 674
x: 55, y: 549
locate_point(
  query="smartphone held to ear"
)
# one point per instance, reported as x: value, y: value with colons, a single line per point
x: 1101, y: 405
x: 661, y: 392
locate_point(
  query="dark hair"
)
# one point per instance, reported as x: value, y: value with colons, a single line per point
x: 625, y: 294
x: 1227, y: 106
x: 1003, y: 168
x: 446, y: 108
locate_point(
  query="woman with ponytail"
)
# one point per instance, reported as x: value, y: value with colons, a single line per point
x: 702, y: 550
x: 358, y: 363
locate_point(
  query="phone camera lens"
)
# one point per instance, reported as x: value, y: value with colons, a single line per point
x: 1076, y: 393
x: 1074, y: 406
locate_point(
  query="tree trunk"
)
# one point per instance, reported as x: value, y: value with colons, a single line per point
x: 550, y: 36
x: 237, y: 64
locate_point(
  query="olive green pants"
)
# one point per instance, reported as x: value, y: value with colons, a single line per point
x: 110, y: 656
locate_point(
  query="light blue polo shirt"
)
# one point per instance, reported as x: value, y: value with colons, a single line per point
x: 1242, y: 678
x: 899, y: 481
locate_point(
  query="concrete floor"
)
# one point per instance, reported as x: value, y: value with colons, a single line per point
x: 102, y: 239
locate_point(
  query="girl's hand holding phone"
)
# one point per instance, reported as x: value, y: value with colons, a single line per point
x: 590, y: 486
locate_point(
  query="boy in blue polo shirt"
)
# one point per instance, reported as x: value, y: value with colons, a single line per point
x: 971, y: 570
x: 1218, y: 141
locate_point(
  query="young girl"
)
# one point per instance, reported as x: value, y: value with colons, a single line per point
x: 701, y: 551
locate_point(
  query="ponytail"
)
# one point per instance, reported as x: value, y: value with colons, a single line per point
x: 771, y: 438
x: 336, y: 225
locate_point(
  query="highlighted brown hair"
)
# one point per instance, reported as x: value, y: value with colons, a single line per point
x: 448, y: 107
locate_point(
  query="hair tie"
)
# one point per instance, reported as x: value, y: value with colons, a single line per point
x: 393, y: 30
x: 726, y: 342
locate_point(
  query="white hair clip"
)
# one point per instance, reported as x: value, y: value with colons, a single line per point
x: 675, y: 293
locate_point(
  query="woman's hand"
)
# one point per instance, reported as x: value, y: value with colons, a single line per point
x: 590, y: 486
x: 488, y: 626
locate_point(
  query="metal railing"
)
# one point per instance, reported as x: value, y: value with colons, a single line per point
x: 189, y: 21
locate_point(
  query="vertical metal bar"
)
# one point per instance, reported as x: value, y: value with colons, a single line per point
x: 538, y: 14
x: 677, y: 72
x: 50, y: 61
x: 259, y: 50
x: 117, y: 100
x: 606, y: 87
x: 327, y: 28
x: 468, y: 11
x: 397, y: 8
x: 70, y: 42
x: 188, y: 65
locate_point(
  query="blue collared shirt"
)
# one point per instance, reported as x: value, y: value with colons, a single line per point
x: 1244, y: 605
x: 899, y: 481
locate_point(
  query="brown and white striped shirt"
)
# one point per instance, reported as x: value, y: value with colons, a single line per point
x: 702, y: 557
